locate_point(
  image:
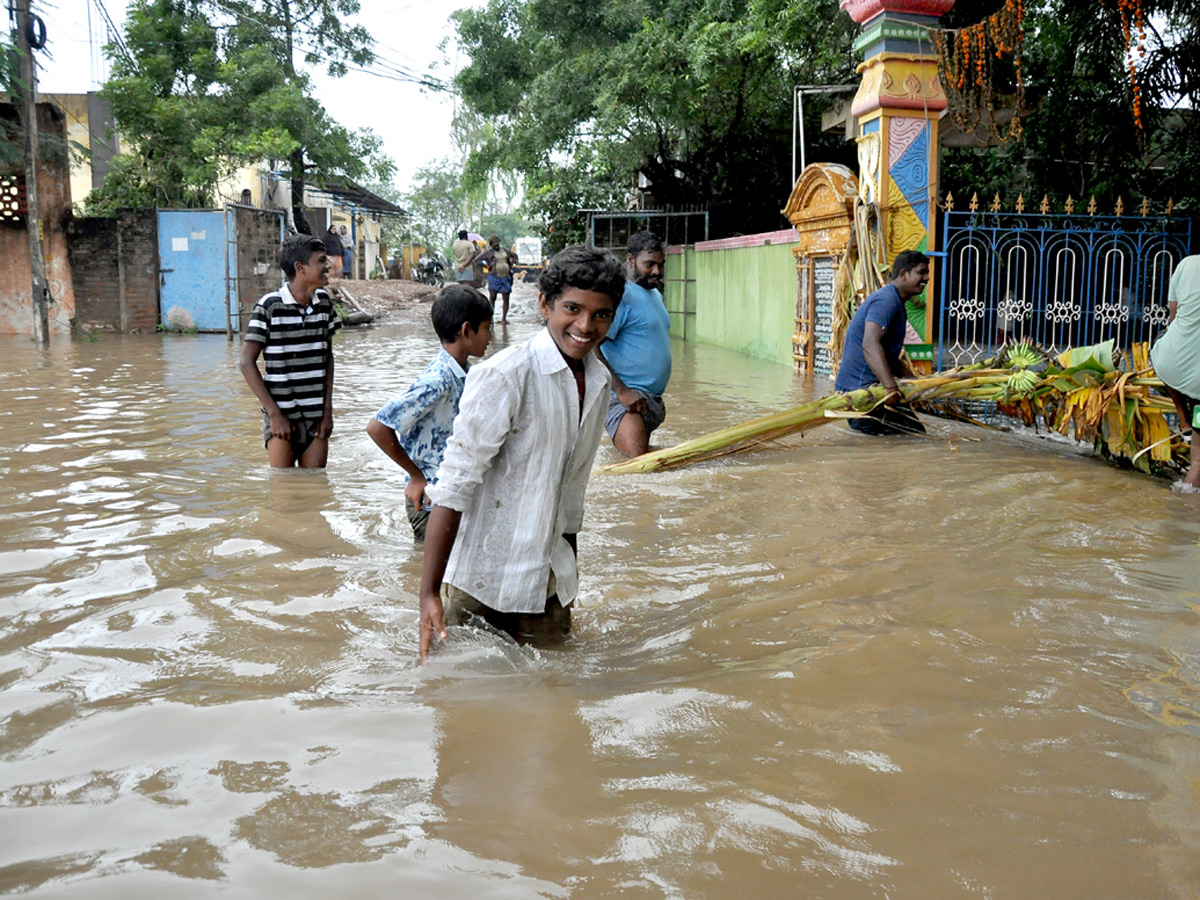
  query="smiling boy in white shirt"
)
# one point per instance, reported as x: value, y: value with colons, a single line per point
x: 508, y: 501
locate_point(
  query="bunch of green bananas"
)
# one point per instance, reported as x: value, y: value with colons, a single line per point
x: 1022, y: 355
x: 1023, y: 381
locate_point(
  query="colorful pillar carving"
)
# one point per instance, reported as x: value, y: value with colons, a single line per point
x: 897, y: 106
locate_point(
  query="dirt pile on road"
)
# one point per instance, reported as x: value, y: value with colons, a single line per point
x: 383, y: 296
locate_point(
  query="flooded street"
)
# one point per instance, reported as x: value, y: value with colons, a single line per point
x: 846, y: 668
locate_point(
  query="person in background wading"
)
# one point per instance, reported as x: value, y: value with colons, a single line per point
x: 874, y: 342
x: 499, y: 263
x: 638, y: 349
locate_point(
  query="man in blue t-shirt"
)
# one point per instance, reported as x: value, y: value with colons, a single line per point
x: 638, y: 349
x: 873, y: 344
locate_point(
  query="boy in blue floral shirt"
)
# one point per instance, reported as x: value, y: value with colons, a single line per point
x: 413, y: 429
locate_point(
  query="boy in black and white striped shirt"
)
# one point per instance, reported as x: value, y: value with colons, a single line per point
x: 292, y: 328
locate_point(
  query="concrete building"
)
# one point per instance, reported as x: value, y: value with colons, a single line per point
x: 90, y: 128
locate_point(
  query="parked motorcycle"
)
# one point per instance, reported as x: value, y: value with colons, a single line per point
x: 430, y: 269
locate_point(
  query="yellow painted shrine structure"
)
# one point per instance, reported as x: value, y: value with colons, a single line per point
x: 897, y: 107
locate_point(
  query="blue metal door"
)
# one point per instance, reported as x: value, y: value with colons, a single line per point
x: 192, y: 260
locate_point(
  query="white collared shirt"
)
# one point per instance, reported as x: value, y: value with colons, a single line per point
x: 517, y: 467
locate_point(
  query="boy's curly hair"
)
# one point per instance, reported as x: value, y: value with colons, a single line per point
x: 585, y: 268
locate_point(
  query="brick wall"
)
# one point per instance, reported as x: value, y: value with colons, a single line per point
x: 139, y: 253
x: 258, y: 271
x: 92, y: 249
x: 115, y: 256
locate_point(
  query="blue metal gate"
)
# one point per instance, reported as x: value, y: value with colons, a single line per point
x: 193, y: 261
x: 1060, y: 280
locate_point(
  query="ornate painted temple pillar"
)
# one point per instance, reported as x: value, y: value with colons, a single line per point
x: 897, y: 106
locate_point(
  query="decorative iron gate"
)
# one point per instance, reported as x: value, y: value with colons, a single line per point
x: 1059, y: 279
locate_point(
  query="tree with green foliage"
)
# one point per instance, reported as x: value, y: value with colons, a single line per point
x: 163, y: 97
x: 555, y: 195
x: 201, y: 95
x: 695, y: 95
x: 507, y: 226
x: 314, y: 31
x: 1080, y: 134
x: 695, y: 98
x: 435, y: 204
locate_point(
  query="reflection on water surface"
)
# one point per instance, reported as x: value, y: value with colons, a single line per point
x: 846, y: 668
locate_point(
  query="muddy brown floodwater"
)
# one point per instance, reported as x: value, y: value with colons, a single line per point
x: 845, y: 668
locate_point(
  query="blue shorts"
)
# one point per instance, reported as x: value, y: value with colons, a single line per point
x: 500, y: 285
x: 653, y: 415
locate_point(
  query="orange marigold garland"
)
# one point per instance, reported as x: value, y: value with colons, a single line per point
x: 965, y: 60
x: 1134, y: 16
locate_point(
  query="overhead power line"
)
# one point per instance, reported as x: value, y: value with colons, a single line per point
x: 113, y: 31
x: 381, y: 66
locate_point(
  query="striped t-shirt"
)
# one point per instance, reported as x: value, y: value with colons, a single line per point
x: 296, y: 345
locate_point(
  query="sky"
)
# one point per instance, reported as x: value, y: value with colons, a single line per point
x: 414, y: 124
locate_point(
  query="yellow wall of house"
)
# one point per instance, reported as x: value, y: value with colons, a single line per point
x: 75, y: 108
x: 229, y: 190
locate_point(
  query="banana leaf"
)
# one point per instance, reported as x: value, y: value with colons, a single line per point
x: 1096, y: 358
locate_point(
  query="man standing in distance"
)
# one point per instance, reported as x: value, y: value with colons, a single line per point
x: 638, y: 349
x: 499, y: 278
x: 464, y: 252
x: 873, y: 344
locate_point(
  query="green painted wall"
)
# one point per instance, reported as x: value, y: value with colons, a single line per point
x: 744, y: 298
x: 679, y: 292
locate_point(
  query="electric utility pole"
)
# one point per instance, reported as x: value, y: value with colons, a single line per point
x: 27, y: 86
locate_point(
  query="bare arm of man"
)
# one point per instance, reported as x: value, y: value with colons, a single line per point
x: 630, y: 399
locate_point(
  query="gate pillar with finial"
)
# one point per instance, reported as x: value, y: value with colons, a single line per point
x: 898, y: 104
